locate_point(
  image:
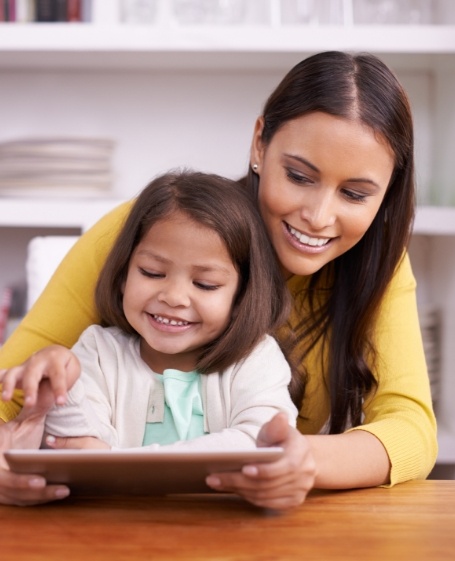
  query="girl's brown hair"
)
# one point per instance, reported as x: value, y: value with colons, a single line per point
x: 261, y: 303
x: 362, y: 88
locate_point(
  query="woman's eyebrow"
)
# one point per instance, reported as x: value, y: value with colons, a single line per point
x: 302, y: 161
x: 316, y: 169
x: 364, y: 180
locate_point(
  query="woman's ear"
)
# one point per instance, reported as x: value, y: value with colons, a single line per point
x: 257, y: 146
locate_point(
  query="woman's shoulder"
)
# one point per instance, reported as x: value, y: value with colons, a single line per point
x: 403, y: 276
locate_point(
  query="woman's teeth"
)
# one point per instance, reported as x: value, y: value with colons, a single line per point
x: 316, y: 242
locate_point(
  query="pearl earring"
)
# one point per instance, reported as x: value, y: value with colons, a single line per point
x: 255, y: 168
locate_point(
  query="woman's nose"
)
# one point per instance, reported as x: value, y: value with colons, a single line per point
x: 319, y: 211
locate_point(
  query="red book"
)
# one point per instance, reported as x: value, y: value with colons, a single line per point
x: 74, y: 10
x: 11, y: 10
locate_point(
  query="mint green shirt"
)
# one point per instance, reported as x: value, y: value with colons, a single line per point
x: 183, y: 411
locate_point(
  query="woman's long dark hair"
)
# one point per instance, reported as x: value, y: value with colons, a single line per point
x: 261, y: 302
x: 362, y: 88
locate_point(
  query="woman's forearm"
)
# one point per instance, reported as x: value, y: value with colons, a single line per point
x: 349, y: 460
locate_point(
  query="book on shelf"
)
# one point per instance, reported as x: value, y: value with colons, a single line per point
x: 46, y: 11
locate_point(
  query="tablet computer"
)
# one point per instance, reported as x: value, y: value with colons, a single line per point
x: 138, y: 472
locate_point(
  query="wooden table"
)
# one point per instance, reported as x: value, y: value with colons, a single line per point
x: 413, y: 521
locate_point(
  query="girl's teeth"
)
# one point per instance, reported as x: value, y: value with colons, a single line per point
x: 307, y: 240
x: 168, y: 321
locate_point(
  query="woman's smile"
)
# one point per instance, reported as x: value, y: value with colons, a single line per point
x: 306, y: 241
x: 322, y: 180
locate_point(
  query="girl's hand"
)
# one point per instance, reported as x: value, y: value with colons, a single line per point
x: 278, y: 485
x: 56, y: 363
x: 75, y: 443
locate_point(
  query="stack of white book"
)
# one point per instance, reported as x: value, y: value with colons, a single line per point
x: 57, y: 167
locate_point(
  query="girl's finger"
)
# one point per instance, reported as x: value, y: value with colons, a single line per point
x: 10, y: 380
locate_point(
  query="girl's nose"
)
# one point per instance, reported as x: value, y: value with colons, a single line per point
x: 174, y: 294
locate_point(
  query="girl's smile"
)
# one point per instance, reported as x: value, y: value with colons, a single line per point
x: 179, y: 291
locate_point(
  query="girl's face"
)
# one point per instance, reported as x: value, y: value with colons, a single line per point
x: 179, y: 291
x: 322, y: 181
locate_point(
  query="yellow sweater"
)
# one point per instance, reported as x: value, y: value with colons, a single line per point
x: 399, y: 413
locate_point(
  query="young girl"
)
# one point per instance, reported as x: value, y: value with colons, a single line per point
x: 186, y: 299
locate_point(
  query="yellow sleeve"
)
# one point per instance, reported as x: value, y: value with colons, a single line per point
x: 400, y: 412
x: 66, y: 306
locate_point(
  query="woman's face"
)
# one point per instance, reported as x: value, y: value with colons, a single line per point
x: 322, y: 180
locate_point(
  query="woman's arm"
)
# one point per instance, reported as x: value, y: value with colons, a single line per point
x: 344, y: 461
x: 397, y: 441
x: 66, y: 306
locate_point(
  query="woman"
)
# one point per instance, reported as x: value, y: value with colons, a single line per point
x: 332, y: 167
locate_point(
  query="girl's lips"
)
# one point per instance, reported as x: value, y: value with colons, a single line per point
x: 169, y: 320
x: 305, y: 243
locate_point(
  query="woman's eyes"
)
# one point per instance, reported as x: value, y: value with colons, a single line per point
x: 301, y: 179
x: 354, y: 196
x: 298, y: 177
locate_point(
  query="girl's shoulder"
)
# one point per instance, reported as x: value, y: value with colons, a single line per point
x: 98, y: 336
x: 267, y: 352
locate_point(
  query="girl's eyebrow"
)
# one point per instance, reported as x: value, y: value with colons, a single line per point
x: 200, y: 268
x: 210, y: 268
x: 350, y: 180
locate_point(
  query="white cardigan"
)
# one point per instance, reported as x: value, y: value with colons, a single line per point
x: 117, y: 395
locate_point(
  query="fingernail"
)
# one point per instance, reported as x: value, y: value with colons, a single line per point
x: 50, y: 439
x: 60, y: 400
x: 62, y: 492
x: 37, y: 483
x: 252, y: 471
x: 212, y: 481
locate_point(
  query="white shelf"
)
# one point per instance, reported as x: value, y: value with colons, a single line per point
x: 53, y: 213
x: 133, y: 46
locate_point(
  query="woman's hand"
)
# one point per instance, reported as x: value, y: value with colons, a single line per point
x: 26, y: 431
x: 56, y: 363
x: 278, y: 485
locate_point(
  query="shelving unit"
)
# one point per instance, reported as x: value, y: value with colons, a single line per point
x: 189, y: 96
